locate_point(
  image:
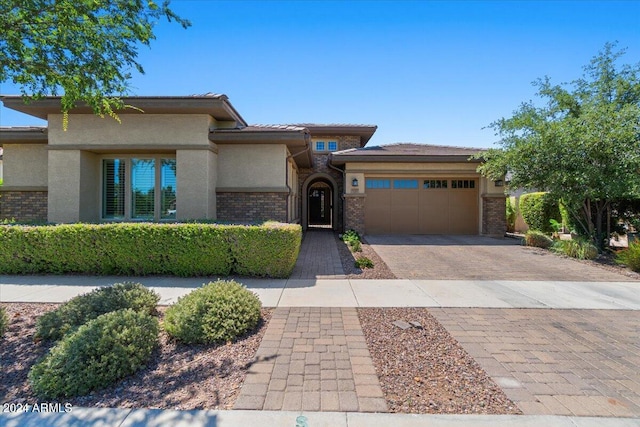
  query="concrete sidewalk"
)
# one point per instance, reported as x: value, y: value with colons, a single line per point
x: 103, y: 417
x: 354, y: 293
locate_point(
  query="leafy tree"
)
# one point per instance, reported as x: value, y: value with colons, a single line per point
x: 583, y: 145
x: 85, y: 49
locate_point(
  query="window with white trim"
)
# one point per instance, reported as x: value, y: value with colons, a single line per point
x: 332, y: 146
x: 319, y: 145
x: 139, y: 188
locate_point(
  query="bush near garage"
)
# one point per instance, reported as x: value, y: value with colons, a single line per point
x: 194, y: 249
x: 104, y: 350
x: 630, y: 257
x: 576, y: 248
x: 4, y: 321
x: 537, y: 239
x: 79, y: 310
x: 538, y: 209
x: 218, y: 312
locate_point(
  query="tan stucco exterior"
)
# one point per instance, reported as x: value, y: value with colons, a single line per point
x: 196, y: 180
x: 252, y: 166
x: 25, y: 165
x: 136, y: 130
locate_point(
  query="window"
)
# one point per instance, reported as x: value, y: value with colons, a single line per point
x: 333, y: 146
x: 463, y: 183
x: 319, y: 145
x: 405, y: 184
x: 434, y: 183
x: 139, y: 188
x: 378, y: 183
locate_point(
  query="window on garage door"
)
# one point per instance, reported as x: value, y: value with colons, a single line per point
x: 405, y: 184
x: 434, y: 183
x: 463, y: 183
x: 376, y: 183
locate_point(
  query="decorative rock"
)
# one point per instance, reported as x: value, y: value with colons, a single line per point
x: 416, y: 325
x: 401, y: 324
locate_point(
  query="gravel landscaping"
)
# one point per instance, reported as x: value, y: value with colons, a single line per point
x: 379, y: 270
x: 178, y: 377
x: 424, y: 370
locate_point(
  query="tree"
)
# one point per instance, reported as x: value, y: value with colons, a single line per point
x: 85, y: 49
x: 583, y: 145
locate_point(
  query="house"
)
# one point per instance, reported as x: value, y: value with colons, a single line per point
x: 195, y: 157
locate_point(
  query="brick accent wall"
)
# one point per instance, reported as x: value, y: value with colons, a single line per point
x: 23, y: 205
x: 494, y: 216
x: 354, y: 212
x: 250, y: 207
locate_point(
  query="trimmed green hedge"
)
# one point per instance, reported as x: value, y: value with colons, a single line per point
x: 537, y: 209
x: 144, y: 248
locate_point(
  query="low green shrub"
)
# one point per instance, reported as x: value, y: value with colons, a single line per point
x: 355, y: 246
x: 79, y: 310
x: 538, y: 239
x: 217, y: 312
x: 630, y: 257
x: 350, y: 235
x: 576, y: 248
x: 194, y: 249
x: 512, y: 213
x: 4, y: 321
x: 267, y: 250
x: 364, y: 262
x: 537, y: 209
x: 104, y: 350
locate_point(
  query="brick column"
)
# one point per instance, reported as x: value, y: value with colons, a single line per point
x: 354, y: 212
x: 494, y: 215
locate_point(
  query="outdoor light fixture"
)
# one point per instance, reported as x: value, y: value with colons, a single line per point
x: 354, y: 182
x: 499, y: 183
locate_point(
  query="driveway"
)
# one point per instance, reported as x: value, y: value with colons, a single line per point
x: 480, y: 258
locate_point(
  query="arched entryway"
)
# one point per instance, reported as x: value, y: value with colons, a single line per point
x: 320, y: 202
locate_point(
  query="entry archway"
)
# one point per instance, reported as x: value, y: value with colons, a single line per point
x: 320, y: 202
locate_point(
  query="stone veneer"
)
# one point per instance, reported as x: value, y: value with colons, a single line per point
x: 494, y: 217
x: 23, y: 205
x: 251, y: 206
x: 354, y: 212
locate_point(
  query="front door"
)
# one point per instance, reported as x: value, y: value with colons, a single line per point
x: 319, y: 206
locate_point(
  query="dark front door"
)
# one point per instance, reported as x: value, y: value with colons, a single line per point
x: 319, y: 206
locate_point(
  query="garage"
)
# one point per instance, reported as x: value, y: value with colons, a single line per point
x: 428, y: 205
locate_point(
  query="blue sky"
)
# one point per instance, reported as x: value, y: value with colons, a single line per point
x: 422, y: 71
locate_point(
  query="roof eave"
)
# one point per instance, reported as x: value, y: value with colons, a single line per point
x: 364, y: 132
x: 338, y: 159
x: 34, y: 135
x: 218, y: 107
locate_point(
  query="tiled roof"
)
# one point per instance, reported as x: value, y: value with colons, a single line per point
x: 258, y: 127
x: 337, y: 125
x: 406, y: 149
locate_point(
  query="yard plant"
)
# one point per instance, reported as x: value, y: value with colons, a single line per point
x: 537, y: 239
x: 4, y: 321
x: 630, y: 257
x: 576, y: 248
x: 79, y: 310
x: 218, y: 312
x: 538, y: 209
x: 193, y: 249
x: 102, y: 351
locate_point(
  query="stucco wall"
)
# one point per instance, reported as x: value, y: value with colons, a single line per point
x: 25, y: 165
x: 153, y: 130
x: 64, y: 185
x: 196, y: 184
x: 251, y: 166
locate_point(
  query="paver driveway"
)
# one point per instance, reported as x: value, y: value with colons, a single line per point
x: 479, y: 258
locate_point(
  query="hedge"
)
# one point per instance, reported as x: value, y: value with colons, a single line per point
x: 537, y: 209
x: 144, y: 248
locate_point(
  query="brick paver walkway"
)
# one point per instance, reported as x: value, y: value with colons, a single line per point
x: 562, y: 362
x: 319, y: 257
x: 313, y: 359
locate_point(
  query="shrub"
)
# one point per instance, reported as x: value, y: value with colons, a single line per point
x: 364, y: 262
x: 194, y: 249
x: 355, y: 246
x: 4, y: 321
x: 512, y: 213
x: 99, y: 353
x: 538, y: 239
x: 537, y: 209
x: 350, y: 236
x: 218, y: 312
x: 576, y: 248
x: 630, y: 257
x: 267, y: 250
x: 79, y: 310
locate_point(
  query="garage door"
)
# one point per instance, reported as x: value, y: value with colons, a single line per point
x: 421, y: 206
